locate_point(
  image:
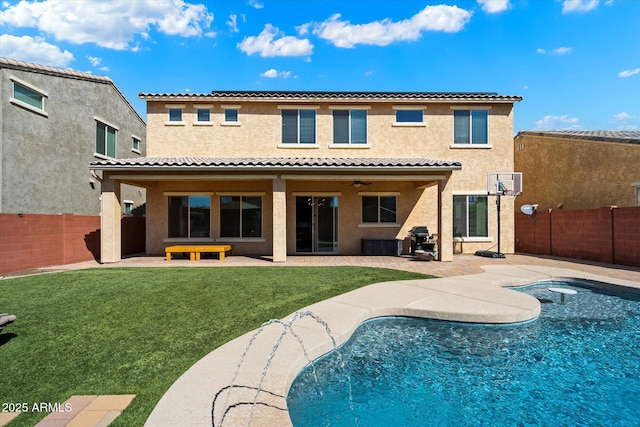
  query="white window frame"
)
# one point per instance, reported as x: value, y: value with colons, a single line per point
x: 127, y: 205
x: 135, y: 138
x: 350, y: 108
x: 471, y: 145
x: 224, y: 113
x: 175, y: 107
x: 299, y: 144
x: 116, y: 129
x: 198, y: 122
x: 41, y: 111
x: 475, y: 238
x: 397, y: 108
x: 636, y: 189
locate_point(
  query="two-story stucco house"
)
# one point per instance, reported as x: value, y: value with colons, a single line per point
x: 53, y: 122
x: 286, y: 173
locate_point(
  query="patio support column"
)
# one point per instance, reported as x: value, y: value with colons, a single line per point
x: 279, y: 220
x: 445, y: 219
x: 111, y: 215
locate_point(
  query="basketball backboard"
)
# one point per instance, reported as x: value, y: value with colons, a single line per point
x: 504, y: 183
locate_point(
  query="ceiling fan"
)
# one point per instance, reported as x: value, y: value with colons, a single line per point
x: 359, y: 183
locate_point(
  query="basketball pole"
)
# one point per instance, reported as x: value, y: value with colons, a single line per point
x: 498, y: 203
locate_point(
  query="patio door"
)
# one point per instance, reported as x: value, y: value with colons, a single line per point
x: 316, y: 224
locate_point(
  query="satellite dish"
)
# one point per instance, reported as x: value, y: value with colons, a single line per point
x: 529, y: 209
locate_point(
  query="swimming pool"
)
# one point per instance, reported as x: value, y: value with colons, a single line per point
x: 577, y: 364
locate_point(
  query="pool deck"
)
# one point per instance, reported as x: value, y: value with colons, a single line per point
x: 471, y: 289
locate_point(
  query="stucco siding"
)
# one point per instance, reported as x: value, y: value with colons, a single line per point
x: 45, y: 159
x: 258, y: 134
x: 566, y: 173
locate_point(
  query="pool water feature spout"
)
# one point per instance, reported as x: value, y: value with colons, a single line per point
x: 286, y: 328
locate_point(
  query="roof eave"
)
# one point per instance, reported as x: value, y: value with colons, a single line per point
x: 208, y: 169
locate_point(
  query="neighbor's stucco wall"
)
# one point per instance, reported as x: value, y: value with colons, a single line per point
x: 565, y: 173
x: 45, y: 160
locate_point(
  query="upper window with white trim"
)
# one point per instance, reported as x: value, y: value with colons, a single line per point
x: 29, y: 97
x: 203, y: 115
x: 471, y: 127
x: 175, y: 114
x: 349, y: 126
x: 409, y: 115
x: 106, y: 139
x: 298, y: 126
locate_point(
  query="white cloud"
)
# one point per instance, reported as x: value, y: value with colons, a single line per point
x: 578, y: 6
x: 256, y: 3
x: 558, y: 123
x: 449, y: 19
x: 494, y: 6
x: 624, y: 121
x: 272, y: 73
x: 622, y: 116
x: 94, y: 60
x: 556, y: 51
x: 35, y: 50
x: 628, y: 73
x: 109, y: 23
x: 233, y: 23
x: 562, y: 51
x: 267, y: 45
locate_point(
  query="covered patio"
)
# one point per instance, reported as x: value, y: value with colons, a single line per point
x: 280, y: 206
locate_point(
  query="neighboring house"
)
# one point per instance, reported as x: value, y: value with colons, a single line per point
x: 578, y: 169
x: 53, y: 123
x: 285, y: 173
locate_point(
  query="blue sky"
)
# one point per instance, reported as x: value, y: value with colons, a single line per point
x: 575, y: 62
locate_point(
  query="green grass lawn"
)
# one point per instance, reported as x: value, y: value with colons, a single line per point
x: 135, y: 331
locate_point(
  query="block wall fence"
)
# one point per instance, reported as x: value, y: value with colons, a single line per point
x: 609, y: 235
x: 32, y: 240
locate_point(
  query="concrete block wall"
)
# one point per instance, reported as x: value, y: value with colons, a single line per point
x: 33, y: 240
x: 609, y: 234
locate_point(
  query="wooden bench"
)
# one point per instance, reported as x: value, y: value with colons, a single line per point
x: 195, y: 250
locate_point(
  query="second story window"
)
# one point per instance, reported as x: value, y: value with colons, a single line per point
x: 203, y: 115
x: 349, y: 126
x: 105, y: 139
x: 231, y: 115
x: 298, y: 126
x: 470, y: 127
x: 409, y: 116
x: 135, y: 145
x: 175, y: 114
x: 28, y: 97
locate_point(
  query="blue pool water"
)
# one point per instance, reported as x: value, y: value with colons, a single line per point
x: 577, y: 364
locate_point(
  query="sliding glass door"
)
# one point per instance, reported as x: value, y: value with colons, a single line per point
x: 316, y: 224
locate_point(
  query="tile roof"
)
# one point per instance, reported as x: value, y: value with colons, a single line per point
x: 70, y: 74
x: 45, y: 69
x: 271, y: 163
x: 621, y: 136
x: 336, y: 96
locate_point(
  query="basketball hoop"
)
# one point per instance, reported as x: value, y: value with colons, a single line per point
x: 511, y: 194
